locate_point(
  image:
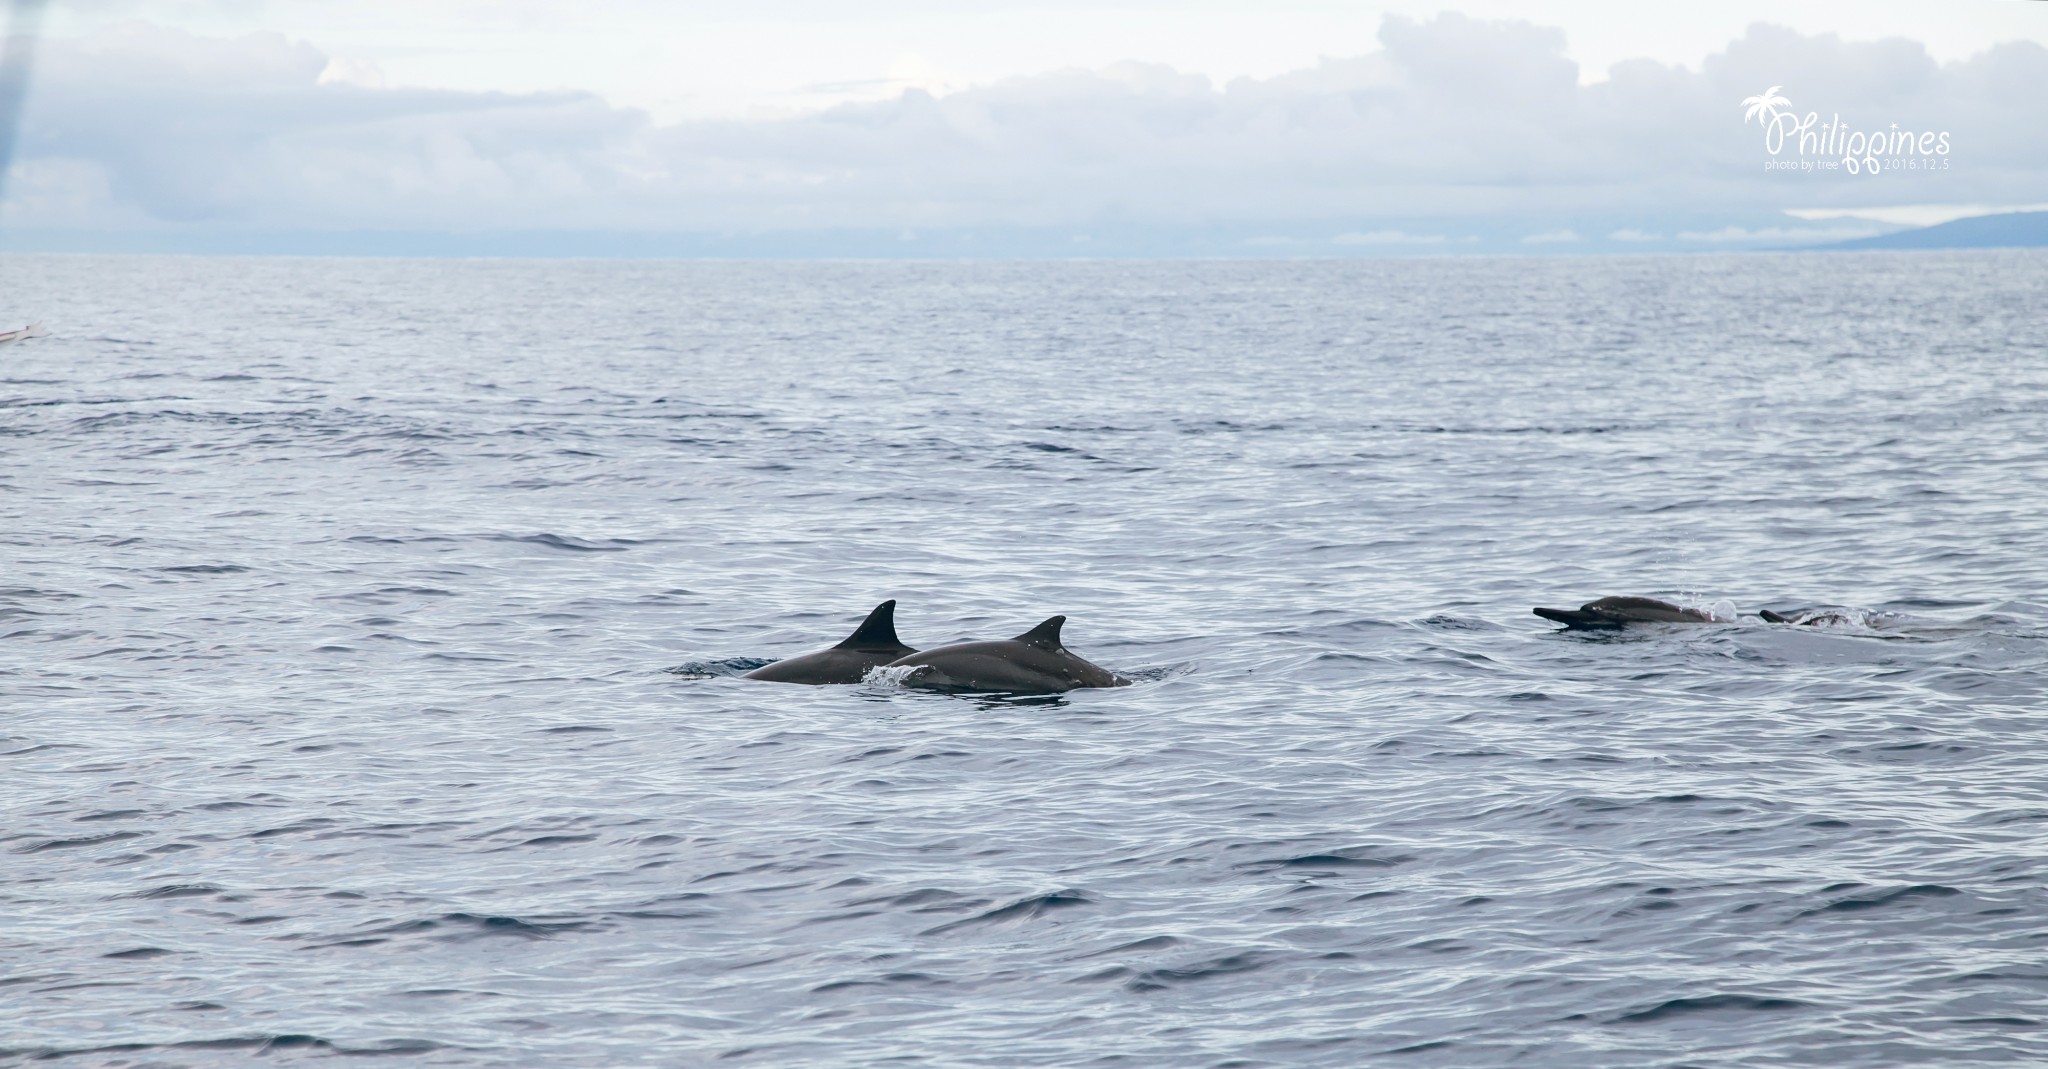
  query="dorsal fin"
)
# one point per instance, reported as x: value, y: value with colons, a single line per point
x: 878, y: 631
x: 1045, y: 636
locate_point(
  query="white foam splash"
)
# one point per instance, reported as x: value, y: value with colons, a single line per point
x: 890, y: 675
x: 1723, y: 611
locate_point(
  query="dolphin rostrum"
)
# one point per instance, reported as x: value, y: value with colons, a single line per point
x: 871, y: 645
x: 1613, y: 614
x: 1032, y: 663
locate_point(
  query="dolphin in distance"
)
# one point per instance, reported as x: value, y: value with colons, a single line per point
x: 1812, y: 617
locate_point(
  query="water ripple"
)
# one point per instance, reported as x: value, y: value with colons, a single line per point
x: 371, y: 662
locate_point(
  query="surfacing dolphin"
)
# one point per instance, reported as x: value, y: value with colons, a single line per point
x: 871, y: 645
x: 1613, y: 614
x: 1811, y: 617
x: 1032, y: 663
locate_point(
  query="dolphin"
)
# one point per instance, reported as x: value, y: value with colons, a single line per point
x: 1809, y: 617
x: 1613, y: 614
x: 871, y: 645
x: 1032, y: 663
x: 33, y: 330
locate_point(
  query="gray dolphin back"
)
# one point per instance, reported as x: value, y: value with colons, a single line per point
x: 872, y: 644
x: 1034, y: 662
x: 1812, y: 617
x: 1613, y: 614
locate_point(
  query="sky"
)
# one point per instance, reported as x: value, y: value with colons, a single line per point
x: 921, y: 128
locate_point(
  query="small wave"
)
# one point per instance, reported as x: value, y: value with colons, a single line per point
x: 460, y: 927
x: 1855, y: 903
x: 385, y: 541
x: 1227, y: 965
x: 567, y: 542
x: 1711, y: 1004
x: 1020, y: 910
x: 177, y: 890
x: 41, y: 845
x: 891, y: 978
x: 32, y: 592
x: 42, y: 748
x: 2021, y: 974
x: 1156, y: 942
x: 138, y: 954
x: 265, y: 1044
x: 925, y: 900
x: 1357, y: 858
x: 488, y: 924
x: 2030, y: 815
x: 110, y: 814
x: 1527, y: 428
x: 558, y: 840
x: 1158, y: 673
x: 1224, y: 426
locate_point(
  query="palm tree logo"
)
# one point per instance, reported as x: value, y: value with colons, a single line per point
x: 1764, y: 106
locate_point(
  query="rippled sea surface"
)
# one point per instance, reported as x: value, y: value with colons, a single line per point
x: 370, y: 632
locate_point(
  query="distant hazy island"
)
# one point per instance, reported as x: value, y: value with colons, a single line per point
x: 2006, y: 230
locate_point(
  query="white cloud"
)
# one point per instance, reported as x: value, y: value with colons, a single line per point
x: 1736, y: 235
x: 1388, y: 237
x: 1447, y: 120
x: 1632, y: 234
x: 1553, y: 237
x: 65, y: 192
x: 198, y: 130
x: 699, y: 59
x: 356, y: 72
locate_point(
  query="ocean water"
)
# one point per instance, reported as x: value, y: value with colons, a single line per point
x: 369, y: 634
